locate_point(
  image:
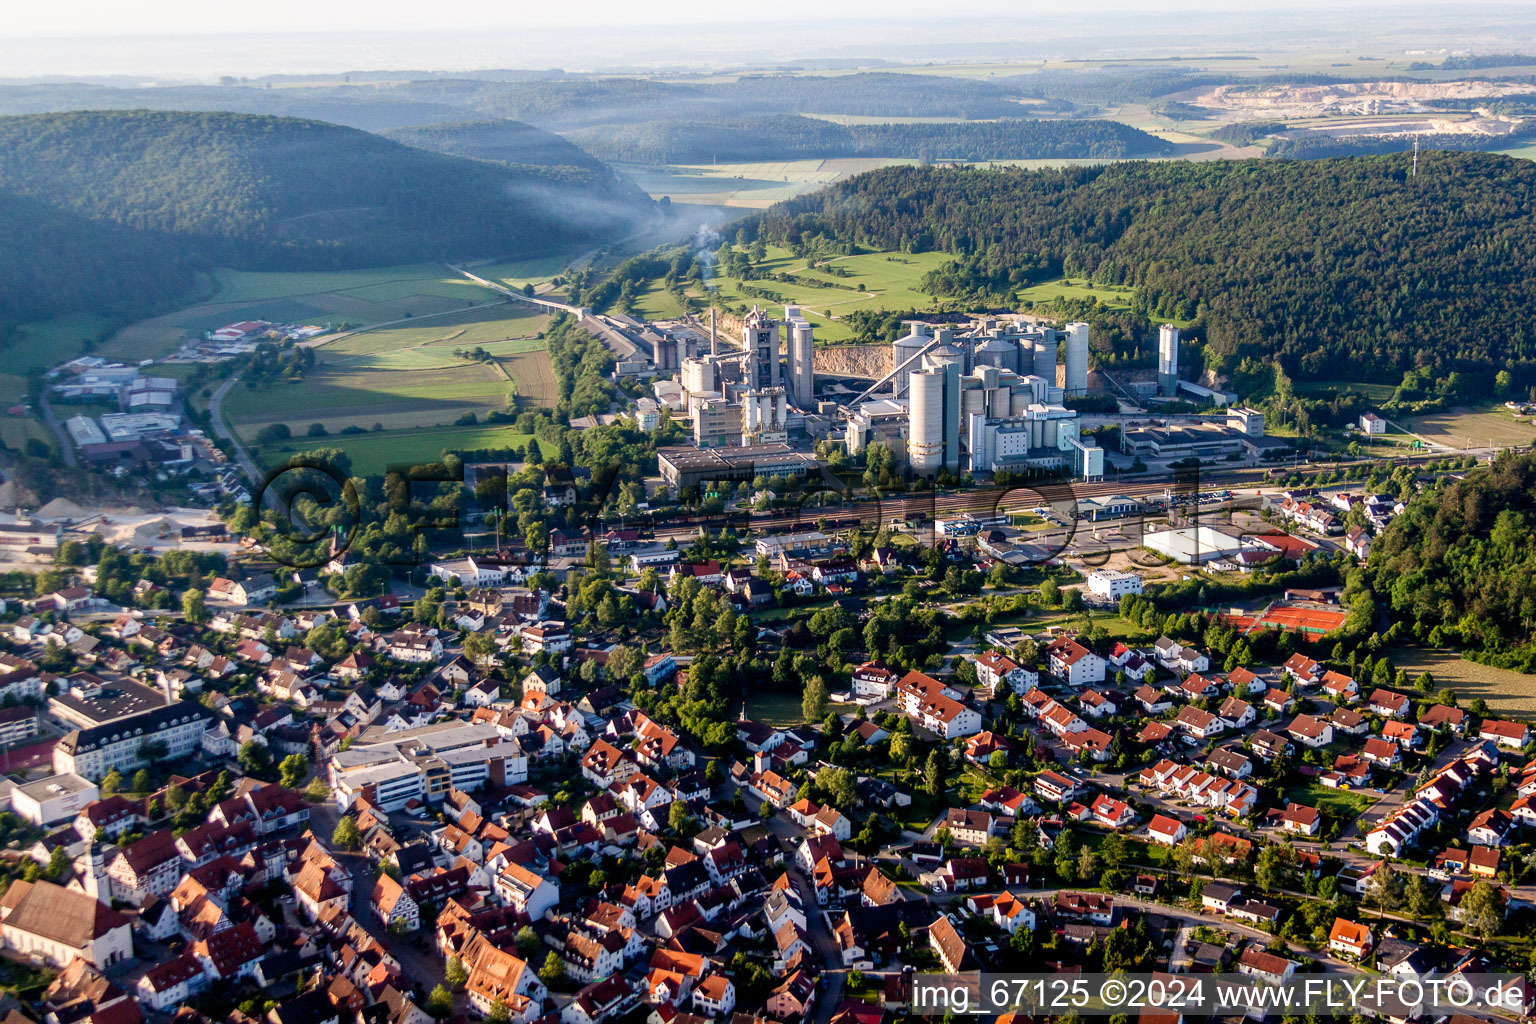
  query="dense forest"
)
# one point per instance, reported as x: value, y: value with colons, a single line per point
x: 1315, y: 146
x: 556, y: 103
x: 54, y: 262
x: 1340, y: 268
x: 119, y: 207
x: 503, y: 142
x: 791, y: 137
x: 1460, y: 564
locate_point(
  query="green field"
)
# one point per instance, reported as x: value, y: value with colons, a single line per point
x: 326, y: 298
x: 1345, y: 804
x: 1110, y: 296
x: 776, y: 709
x: 407, y: 377
x: 372, y: 453
x: 376, y: 285
x: 38, y: 346
x: 875, y: 281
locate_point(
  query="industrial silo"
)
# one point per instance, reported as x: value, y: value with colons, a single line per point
x: 1076, y: 382
x: 925, y: 420
x: 1045, y: 355
x: 998, y: 352
x: 903, y: 350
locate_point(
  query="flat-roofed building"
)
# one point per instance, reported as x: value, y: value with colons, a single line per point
x: 683, y: 468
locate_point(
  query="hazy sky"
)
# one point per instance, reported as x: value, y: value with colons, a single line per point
x: 158, y: 17
x: 203, y: 40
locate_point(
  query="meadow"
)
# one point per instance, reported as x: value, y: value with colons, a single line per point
x: 1507, y: 692
x: 407, y: 380
x: 875, y: 281
x: 1465, y: 427
x: 372, y: 453
x: 326, y: 298
x: 38, y: 346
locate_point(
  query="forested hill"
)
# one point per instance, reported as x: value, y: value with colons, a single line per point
x: 1341, y: 266
x: 179, y: 190
x: 1460, y: 564
x: 791, y: 137
x: 512, y: 143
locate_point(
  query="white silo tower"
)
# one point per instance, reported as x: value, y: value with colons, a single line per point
x: 1045, y: 355
x: 1076, y: 382
x: 1167, y: 360
x: 925, y: 420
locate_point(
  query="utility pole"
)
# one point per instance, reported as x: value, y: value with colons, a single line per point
x: 1415, y: 156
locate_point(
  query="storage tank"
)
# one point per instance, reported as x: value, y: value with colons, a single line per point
x: 1076, y: 382
x: 999, y: 353
x: 925, y: 421
x: 1045, y: 355
x: 1037, y: 426
x: 1000, y: 403
x: 903, y: 349
x: 973, y: 401
x: 1019, y: 402
x: 698, y: 376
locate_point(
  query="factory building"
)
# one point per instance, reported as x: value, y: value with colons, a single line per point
x: 760, y: 343
x: 1167, y: 360
x: 883, y: 420
x: 764, y: 416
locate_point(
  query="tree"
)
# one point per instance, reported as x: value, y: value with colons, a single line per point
x: 255, y: 759
x: 455, y: 973
x: 194, y: 608
x: 346, y: 836
x: 933, y: 773
x: 527, y: 941
x: 677, y: 817
x: 293, y: 770
x: 1276, y: 867
x: 553, y: 970
x: 1421, y: 896
x: 1087, y: 863
x: 813, y: 701
x: 1482, y: 910
x: 112, y: 783
x: 1025, y: 836
x: 840, y: 787
x: 481, y: 649
x: 498, y: 1013
x: 1050, y: 593
x: 141, y: 781
x: 439, y: 1003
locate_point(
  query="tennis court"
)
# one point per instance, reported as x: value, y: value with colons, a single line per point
x: 1308, y: 620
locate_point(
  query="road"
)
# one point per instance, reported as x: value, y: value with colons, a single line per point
x: 66, y: 446
x: 221, y: 430
x: 834, y: 976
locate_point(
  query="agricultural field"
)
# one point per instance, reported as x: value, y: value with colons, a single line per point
x: 1473, y: 428
x: 406, y: 378
x: 373, y: 452
x: 874, y: 281
x: 1109, y: 296
x: 328, y: 298
x: 37, y: 346
x: 749, y: 185
x: 1507, y: 692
